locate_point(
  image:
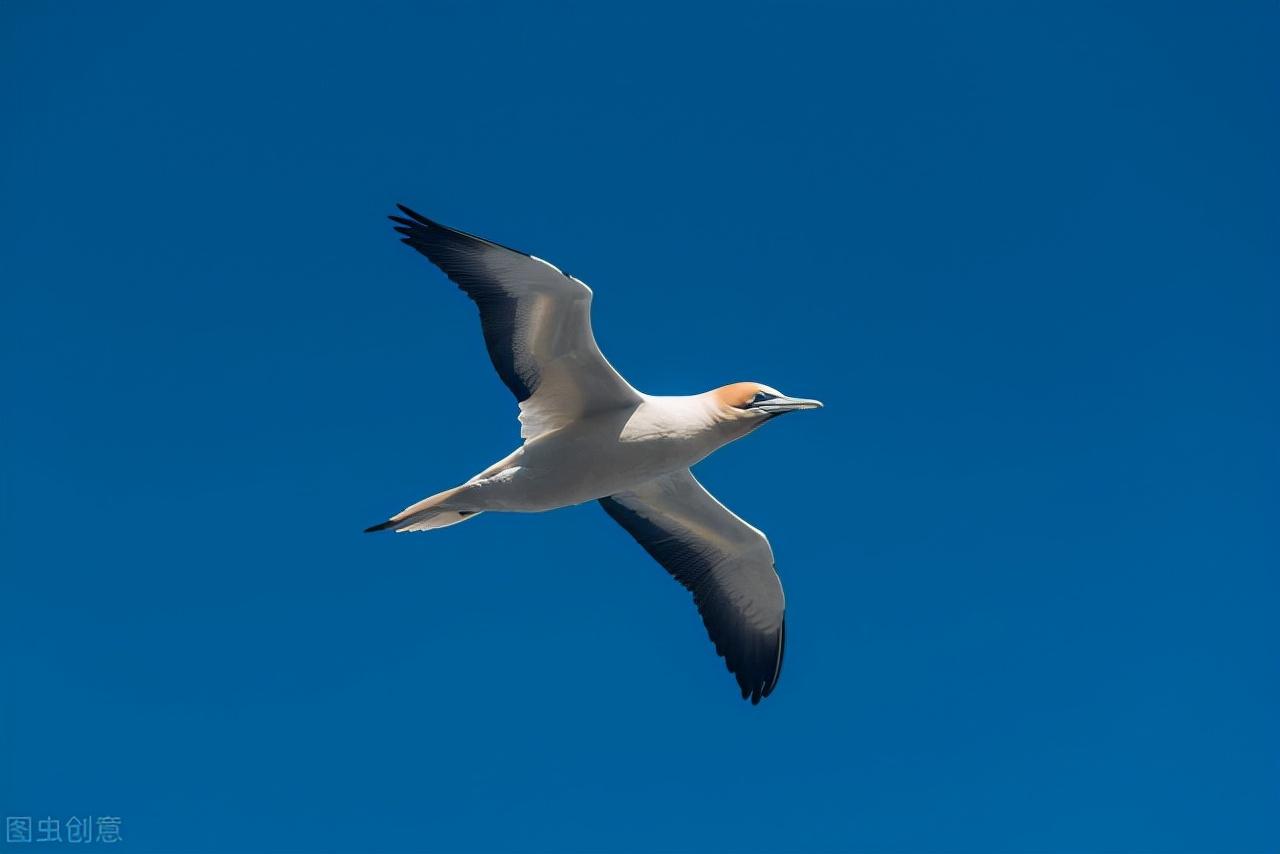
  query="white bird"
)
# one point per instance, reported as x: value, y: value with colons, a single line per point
x: 588, y: 435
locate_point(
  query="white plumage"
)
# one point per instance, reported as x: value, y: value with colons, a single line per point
x: 588, y: 435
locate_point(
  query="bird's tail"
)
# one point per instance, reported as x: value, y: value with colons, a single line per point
x: 426, y: 515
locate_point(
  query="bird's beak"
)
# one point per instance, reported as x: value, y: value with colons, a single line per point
x: 779, y: 405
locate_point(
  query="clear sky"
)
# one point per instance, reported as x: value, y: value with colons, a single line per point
x: 1028, y: 258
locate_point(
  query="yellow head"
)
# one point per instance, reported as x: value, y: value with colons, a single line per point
x: 755, y: 400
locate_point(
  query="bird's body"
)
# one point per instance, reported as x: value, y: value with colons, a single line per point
x: 588, y: 435
x: 599, y: 455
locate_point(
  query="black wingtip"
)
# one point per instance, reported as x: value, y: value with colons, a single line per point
x: 416, y: 222
x: 381, y: 526
x: 414, y: 215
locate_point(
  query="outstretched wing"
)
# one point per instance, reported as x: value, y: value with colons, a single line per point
x: 723, y: 561
x: 536, y: 322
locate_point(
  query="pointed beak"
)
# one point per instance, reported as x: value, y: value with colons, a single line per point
x: 779, y: 405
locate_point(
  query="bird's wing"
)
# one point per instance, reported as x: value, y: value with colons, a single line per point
x: 536, y: 322
x: 726, y: 564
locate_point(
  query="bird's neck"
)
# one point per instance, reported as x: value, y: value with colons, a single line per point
x: 695, y: 418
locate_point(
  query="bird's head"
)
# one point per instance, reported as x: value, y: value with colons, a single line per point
x: 754, y: 403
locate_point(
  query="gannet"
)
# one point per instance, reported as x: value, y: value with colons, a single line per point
x: 589, y: 436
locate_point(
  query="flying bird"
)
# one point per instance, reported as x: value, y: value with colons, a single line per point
x: 589, y: 436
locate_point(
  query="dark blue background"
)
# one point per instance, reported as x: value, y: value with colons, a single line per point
x: 1027, y: 257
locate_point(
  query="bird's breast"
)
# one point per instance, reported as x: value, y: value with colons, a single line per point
x: 607, y: 455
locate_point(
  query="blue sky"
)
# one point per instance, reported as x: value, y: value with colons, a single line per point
x: 1027, y: 257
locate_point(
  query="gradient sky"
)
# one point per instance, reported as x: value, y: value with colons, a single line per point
x: 1027, y: 257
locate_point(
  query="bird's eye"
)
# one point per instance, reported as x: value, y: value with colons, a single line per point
x: 757, y: 398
